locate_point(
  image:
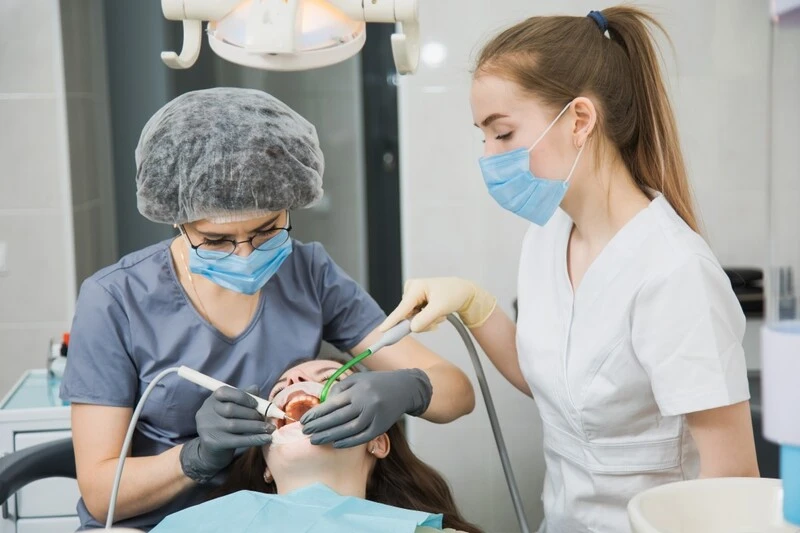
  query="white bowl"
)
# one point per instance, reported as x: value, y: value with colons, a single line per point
x: 720, y: 505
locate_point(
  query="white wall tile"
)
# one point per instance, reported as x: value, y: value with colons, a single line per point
x: 35, y: 288
x: 738, y: 234
x: 740, y: 41
x: 29, y: 178
x: 694, y: 100
x: 743, y: 152
x: 27, y: 49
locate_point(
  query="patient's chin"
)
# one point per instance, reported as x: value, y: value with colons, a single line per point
x: 290, y: 434
x: 290, y: 444
x: 292, y: 453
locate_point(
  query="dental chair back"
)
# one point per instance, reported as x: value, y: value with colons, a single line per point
x: 43, y: 461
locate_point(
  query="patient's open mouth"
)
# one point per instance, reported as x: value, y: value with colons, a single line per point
x: 296, y: 400
x: 298, y: 404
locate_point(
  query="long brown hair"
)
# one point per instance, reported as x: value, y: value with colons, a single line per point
x: 559, y: 58
x: 400, y: 479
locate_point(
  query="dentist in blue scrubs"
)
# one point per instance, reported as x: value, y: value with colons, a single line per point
x: 235, y: 297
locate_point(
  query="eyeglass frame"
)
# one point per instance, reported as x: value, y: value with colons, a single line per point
x: 195, y: 247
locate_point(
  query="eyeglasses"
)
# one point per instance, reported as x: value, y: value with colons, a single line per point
x: 262, y: 241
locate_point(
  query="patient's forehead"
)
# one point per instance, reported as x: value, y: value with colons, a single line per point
x: 317, y: 366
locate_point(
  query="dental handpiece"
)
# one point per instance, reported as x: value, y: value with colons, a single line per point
x: 392, y: 336
x: 264, y: 407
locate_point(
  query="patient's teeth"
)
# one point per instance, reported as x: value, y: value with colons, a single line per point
x: 300, y: 405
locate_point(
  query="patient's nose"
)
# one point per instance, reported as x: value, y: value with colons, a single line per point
x: 297, y: 376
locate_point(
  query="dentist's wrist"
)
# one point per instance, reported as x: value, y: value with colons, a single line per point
x: 193, y: 465
x: 421, y: 391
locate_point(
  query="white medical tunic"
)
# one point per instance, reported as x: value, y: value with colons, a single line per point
x: 652, y: 332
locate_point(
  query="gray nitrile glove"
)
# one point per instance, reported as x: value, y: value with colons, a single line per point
x: 227, y: 420
x: 365, y: 405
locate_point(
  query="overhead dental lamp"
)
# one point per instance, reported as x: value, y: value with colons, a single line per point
x: 291, y: 34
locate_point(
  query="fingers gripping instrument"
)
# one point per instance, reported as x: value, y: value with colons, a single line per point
x: 264, y: 407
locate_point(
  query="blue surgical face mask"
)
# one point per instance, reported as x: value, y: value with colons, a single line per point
x: 510, y: 182
x: 241, y: 274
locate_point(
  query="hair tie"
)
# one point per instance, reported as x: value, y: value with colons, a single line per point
x: 600, y: 20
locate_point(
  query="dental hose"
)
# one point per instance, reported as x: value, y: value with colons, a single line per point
x: 516, y: 499
x: 126, y: 445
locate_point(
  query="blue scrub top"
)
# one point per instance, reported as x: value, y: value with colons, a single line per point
x: 133, y: 320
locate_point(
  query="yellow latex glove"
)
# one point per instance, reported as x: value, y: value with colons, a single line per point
x: 438, y: 297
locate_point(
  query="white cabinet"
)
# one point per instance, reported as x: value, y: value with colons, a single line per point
x: 48, y: 497
x: 29, y: 415
x: 48, y: 525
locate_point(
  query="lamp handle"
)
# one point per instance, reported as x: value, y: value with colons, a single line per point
x: 405, y: 43
x: 192, y: 35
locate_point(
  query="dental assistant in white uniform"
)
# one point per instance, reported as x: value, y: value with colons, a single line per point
x: 629, y: 336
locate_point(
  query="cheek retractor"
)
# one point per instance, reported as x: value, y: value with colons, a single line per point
x: 298, y: 398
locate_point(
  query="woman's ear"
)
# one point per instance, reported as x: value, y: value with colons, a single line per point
x: 267, y: 474
x: 380, y: 446
x: 584, y: 114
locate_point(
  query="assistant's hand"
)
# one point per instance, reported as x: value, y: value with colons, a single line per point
x: 227, y: 420
x: 438, y: 297
x: 365, y: 405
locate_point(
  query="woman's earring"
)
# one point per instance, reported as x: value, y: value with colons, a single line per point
x: 267, y: 478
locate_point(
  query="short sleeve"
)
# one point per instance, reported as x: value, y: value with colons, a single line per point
x: 349, y: 313
x: 99, y: 368
x: 687, y: 330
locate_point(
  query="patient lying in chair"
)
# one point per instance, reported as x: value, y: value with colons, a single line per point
x: 293, y: 486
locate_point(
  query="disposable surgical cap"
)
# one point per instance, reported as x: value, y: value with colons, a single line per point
x: 226, y: 155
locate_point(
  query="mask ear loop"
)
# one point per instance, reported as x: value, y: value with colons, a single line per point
x: 189, y: 273
x: 575, y: 164
x: 548, y: 128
